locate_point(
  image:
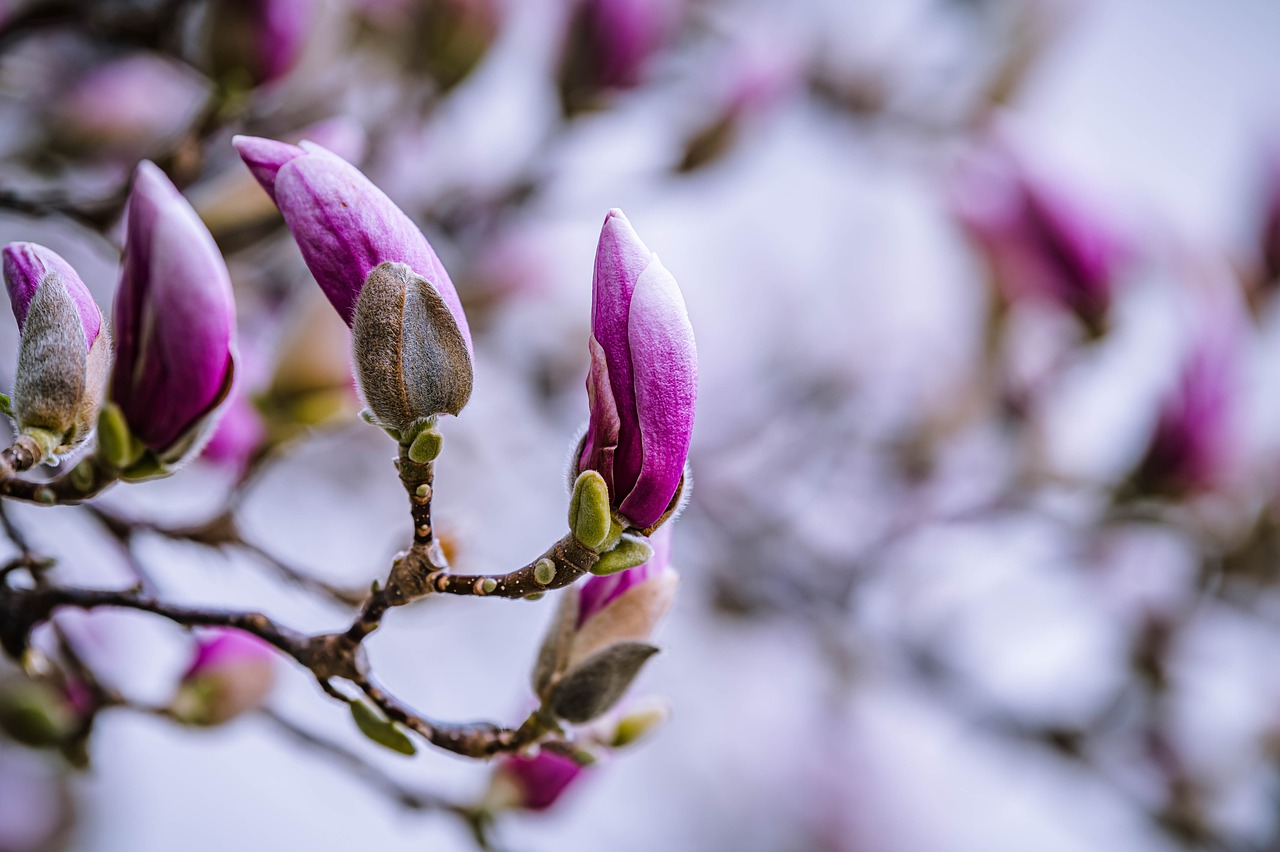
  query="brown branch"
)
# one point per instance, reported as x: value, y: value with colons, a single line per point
x: 327, y: 657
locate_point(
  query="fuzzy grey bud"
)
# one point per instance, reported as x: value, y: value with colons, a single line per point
x: 412, y: 361
x: 65, y: 351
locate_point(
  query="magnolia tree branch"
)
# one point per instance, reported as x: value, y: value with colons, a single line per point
x: 327, y: 657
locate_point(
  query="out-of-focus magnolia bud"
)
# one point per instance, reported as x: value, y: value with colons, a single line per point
x: 257, y: 40
x: 37, y: 714
x: 412, y: 346
x: 126, y: 108
x: 1036, y: 242
x: 531, y: 783
x: 175, y: 331
x: 1269, y: 238
x: 232, y: 673
x: 607, y: 46
x: 754, y: 79
x: 643, y: 383
x: 239, y: 435
x: 456, y: 35
x: 64, y: 354
x: 1190, y: 451
x: 598, y: 641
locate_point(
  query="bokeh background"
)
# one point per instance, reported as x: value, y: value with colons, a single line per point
x: 984, y: 546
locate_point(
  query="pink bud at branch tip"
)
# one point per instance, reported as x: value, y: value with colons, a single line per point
x: 643, y: 383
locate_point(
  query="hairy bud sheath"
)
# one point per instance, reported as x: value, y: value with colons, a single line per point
x: 412, y: 346
x: 65, y: 351
x: 174, y: 322
x: 643, y: 383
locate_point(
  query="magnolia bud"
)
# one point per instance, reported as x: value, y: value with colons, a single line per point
x: 412, y: 345
x: 259, y: 39
x: 531, y: 783
x: 175, y: 327
x: 65, y: 351
x: 1037, y: 243
x: 643, y: 383
x: 231, y: 674
x: 607, y: 46
x: 599, y: 640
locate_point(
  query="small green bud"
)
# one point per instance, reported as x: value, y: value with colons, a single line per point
x: 639, y: 723
x: 629, y: 552
x: 115, y: 445
x: 426, y: 446
x: 544, y: 572
x: 487, y: 585
x: 590, y: 516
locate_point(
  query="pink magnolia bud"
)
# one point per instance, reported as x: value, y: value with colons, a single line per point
x: 261, y: 39
x: 413, y: 351
x: 643, y: 383
x: 608, y: 44
x: 232, y: 673
x: 533, y: 783
x: 127, y: 107
x: 65, y: 352
x: 174, y: 321
x: 1038, y: 243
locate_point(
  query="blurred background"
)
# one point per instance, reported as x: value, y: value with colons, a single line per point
x: 984, y: 546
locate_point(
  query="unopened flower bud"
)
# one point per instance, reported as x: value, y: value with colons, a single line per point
x: 413, y: 347
x: 1190, y: 450
x: 126, y: 108
x: 258, y: 39
x: 532, y: 783
x: 607, y: 46
x: 65, y: 351
x: 175, y: 326
x: 643, y: 383
x: 455, y: 36
x: 1036, y: 242
x: 599, y: 640
x: 232, y: 673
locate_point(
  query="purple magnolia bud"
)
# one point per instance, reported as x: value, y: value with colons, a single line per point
x: 262, y: 39
x: 1038, y: 243
x: 65, y: 352
x: 174, y: 321
x: 344, y: 225
x: 1191, y: 447
x: 608, y: 44
x: 533, y: 783
x: 644, y: 378
x: 412, y: 346
x: 231, y: 673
